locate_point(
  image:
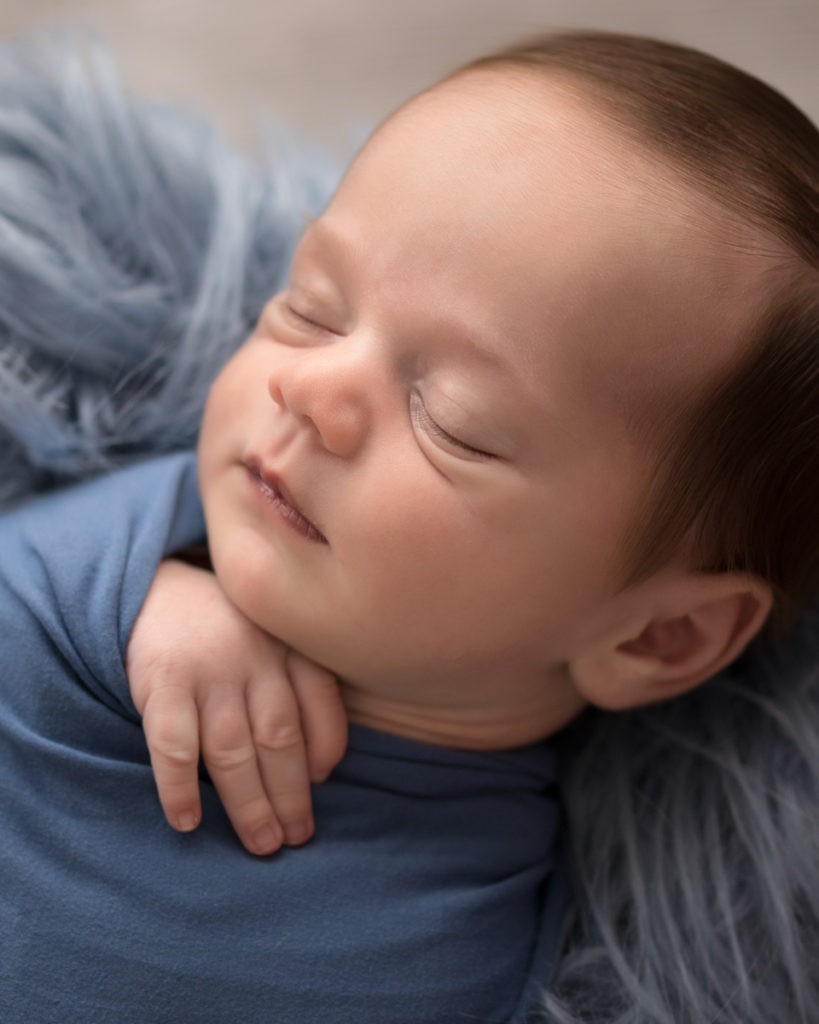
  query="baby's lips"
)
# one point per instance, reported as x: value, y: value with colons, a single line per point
x: 276, y: 485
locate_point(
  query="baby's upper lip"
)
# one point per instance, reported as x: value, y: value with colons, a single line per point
x: 274, y: 481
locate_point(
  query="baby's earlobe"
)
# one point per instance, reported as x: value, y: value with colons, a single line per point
x: 611, y: 679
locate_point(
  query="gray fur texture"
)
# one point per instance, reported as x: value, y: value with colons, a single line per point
x: 695, y: 835
x: 136, y: 250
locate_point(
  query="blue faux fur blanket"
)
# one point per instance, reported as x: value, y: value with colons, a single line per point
x: 136, y: 250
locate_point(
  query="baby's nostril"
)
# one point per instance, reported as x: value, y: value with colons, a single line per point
x: 275, y: 391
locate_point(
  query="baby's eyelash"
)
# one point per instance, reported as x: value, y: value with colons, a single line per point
x: 421, y: 417
x: 305, y: 321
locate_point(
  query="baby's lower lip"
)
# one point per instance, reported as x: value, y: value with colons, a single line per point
x: 281, y: 506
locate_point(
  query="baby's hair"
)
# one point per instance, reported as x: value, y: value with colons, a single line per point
x: 735, y: 467
x: 693, y: 823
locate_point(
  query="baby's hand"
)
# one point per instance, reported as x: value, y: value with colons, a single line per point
x: 267, y: 720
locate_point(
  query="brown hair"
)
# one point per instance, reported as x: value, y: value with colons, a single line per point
x: 737, y: 474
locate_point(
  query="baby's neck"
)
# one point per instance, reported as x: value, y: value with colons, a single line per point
x: 473, y: 728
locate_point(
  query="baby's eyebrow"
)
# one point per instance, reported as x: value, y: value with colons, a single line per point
x: 338, y: 250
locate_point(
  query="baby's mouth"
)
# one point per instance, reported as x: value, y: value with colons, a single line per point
x: 275, y: 492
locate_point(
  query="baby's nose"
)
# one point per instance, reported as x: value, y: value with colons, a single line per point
x: 325, y: 392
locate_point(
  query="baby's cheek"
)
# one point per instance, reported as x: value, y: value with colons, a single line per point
x: 407, y: 523
x: 418, y: 558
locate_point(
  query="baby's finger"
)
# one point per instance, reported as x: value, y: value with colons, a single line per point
x: 229, y: 753
x: 170, y: 721
x: 323, y: 717
x: 277, y: 735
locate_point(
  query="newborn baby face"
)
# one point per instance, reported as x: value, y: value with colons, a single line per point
x: 419, y: 468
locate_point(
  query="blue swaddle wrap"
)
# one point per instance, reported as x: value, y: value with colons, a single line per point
x: 426, y: 897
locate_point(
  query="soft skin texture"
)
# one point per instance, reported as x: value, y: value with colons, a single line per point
x: 445, y: 388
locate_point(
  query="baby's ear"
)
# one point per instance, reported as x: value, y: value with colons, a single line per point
x: 669, y: 636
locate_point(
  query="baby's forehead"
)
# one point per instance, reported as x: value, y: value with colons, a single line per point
x: 520, y: 127
x: 515, y: 202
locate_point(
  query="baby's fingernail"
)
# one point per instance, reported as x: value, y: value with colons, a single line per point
x: 298, y: 832
x: 187, y: 821
x: 266, y: 840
